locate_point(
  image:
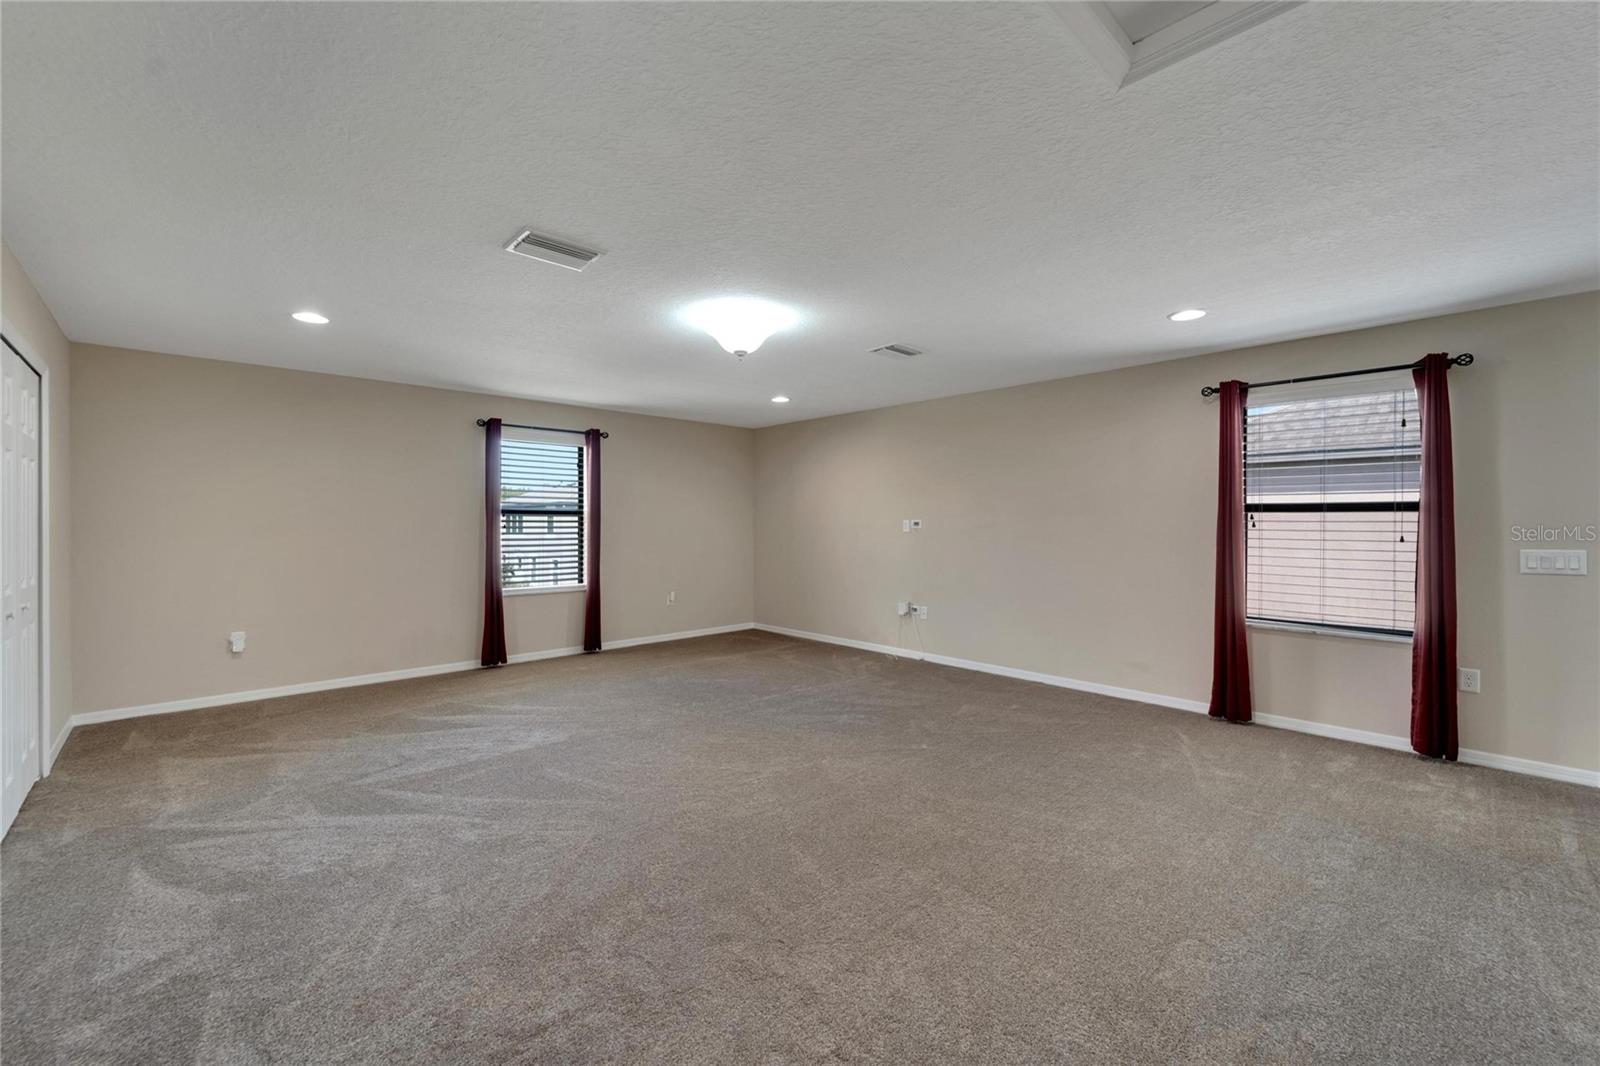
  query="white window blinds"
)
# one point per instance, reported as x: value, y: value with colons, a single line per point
x: 1331, y: 480
x: 541, y: 514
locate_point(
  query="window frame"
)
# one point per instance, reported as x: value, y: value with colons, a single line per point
x: 582, y: 514
x: 1300, y: 625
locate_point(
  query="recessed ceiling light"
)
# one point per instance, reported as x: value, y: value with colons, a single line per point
x: 780, y: 399
x: 1188, y: 314
x: 311, y: 318
x: 739, y: 323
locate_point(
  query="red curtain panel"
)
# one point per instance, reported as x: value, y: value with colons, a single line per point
x: 591, y: 554
x: 1230, y: 660
x: 1433, y: 647
x: 494, y: 604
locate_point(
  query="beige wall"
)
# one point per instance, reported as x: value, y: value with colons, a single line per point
x: 1068, y: 527
x: 338, y: 522
x: 30, y: 325
x: 1070, y: 530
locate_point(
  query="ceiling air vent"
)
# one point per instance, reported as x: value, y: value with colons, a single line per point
x: 550, y: 250
x: 899, y: 351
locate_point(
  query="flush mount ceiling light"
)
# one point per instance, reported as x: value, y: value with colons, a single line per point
x: 780, y: 399
x: 739, y: 323
x: 310, y: 318
x: 1188, y: 314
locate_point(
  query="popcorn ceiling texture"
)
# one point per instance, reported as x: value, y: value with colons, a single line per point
x: 958, y: 177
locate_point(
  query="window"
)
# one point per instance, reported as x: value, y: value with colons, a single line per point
x: 544, y: 480
x: 1331, y: 491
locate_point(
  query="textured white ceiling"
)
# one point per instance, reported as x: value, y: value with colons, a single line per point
x: 958, y: 177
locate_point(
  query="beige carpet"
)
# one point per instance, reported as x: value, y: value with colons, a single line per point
x: 749, y: 849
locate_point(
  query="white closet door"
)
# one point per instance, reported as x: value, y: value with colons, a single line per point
x: 19, y: 583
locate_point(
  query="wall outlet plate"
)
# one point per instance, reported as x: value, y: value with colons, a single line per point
x: 922, y: 611
x: 910, y: 525
x: 1469, y: 680
x: 236, y: 642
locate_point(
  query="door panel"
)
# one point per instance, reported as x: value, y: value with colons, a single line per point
x: 20, y: 678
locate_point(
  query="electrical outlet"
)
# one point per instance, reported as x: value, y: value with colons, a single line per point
x: 910, y: 525
x: 922, y: 611
x: 236, y: 642
x: 1469, y: 680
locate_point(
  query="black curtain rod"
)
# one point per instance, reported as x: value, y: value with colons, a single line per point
x: 546, y: 429
x: 1464, y: 359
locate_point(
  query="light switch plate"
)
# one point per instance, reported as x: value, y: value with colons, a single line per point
x: 1555, y: 562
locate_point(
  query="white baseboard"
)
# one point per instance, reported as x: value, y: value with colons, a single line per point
x: 1531, y: 767
x: 1175, y: 702
x: 223, y: 699
x: 1334, y: 732
x: 1470, y: 756
x: 846, y: 642
x: 687, y: 634
x: 55, y: 747
x: 991, y: 668
x: 226, y: 698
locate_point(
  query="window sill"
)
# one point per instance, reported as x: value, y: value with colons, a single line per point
x: 1322, y: 631
x: 538, y: 591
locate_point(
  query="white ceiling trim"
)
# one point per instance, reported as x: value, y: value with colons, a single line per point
x: 1125, y: 61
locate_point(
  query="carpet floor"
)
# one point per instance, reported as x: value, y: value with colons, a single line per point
x: 751, y: 849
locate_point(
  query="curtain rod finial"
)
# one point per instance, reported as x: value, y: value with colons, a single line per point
x: 1209, y: 390
x: 1464, y: 359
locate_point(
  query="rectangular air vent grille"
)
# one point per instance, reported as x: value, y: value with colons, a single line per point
x: 902, y: 351
x: 550, y: 250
